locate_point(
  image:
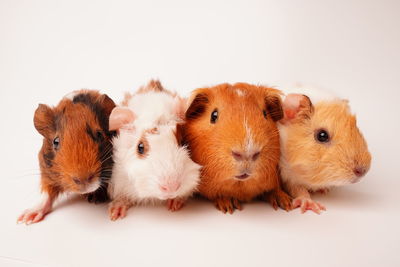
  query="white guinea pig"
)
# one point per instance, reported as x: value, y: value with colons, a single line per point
x: 321, y: 145
x: 149, y: 162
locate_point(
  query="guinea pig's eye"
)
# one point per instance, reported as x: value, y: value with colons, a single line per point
x: 322, y: 136
x: 214, y: 116
x: 140, y: 148
x: 56, y: 143
x: 99, y: 136
x: 265, y: 113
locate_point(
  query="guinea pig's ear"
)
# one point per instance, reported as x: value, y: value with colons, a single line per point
x: 44, y: 120
x: 273, y: 106
x: 297, y: 106
x: 198, y: 104
x: 120, y: 117
x: 107, y: 103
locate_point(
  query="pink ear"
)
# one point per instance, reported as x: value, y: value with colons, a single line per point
x: 119, y: 117
x: 181, y: 105
x: 295, y: 105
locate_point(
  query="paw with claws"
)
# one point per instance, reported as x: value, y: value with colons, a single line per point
x: 308, y: 204
x: 118, y: 209
x: 175, y: 204
x: 227, y: 204
x: 278, y: 198
x: 37, y: 214
x: 32, y: 215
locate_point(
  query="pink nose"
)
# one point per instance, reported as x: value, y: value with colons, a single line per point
x: 170, y: 187
x: 360, y: 171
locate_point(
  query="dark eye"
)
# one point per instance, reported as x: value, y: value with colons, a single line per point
x: 56, y: 143
x: 99, y: 136
x: 140, y: 148
x: 322, y: 136
x: 214, y: 116
x: 265, y: 113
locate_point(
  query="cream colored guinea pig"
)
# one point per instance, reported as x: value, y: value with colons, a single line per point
x: 321, y: 146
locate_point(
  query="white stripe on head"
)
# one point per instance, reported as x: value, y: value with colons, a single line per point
x: 71, y: 95
x: 250, y: 147
x: 239, y: 92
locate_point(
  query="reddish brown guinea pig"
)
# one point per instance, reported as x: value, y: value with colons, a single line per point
x: 76, y: 155
x: 231, y: 131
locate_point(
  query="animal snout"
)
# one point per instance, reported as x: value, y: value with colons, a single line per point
x: 83, y: 179
x: 360, y: 171
x: 170, y: 187
x: 245, y: 156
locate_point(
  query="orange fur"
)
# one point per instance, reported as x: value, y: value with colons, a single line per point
x: 211, y: 145
x: 318, y: 165
x: 78, y: 154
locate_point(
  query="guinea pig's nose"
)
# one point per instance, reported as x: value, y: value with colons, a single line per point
x: 170, y: 187
x: 360, y: 171
x: 77, y: 180
x: 240, y: 156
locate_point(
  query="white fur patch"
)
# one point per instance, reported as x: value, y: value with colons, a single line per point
x: 153, y: 108
x: 71, y: 95
x: 140, y: 179
x: 91, y: 188
x: 250, y: 146
x: 239, y: 92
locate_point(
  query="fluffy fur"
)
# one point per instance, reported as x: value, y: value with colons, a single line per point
x: 164, y: 171
x: 240, y: 151
x: 76, y: 151
x: 309, y: 165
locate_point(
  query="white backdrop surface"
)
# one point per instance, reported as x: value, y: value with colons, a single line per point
x: 48, y: 48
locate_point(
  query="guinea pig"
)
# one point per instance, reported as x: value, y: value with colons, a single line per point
x: 321, y: 146
x: 76, y: 155
x: 231, y: 131
x: 151, y: 165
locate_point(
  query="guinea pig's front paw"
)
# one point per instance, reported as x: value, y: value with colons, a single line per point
x: 118, y: 209
x: 175, y: 204
x: 308, y: 204
x: 278, y: 198
x: 227, y: 204
x: 32, y: 216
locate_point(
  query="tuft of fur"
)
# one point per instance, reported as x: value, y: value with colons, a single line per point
x: 246, y: 122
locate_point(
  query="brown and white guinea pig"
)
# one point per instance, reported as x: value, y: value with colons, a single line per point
x: 151, y: 165
x: 321, y: 145
x: 76, y: 155
x: 231, y: 131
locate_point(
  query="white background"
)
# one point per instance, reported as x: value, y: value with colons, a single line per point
x: 49, y: 48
